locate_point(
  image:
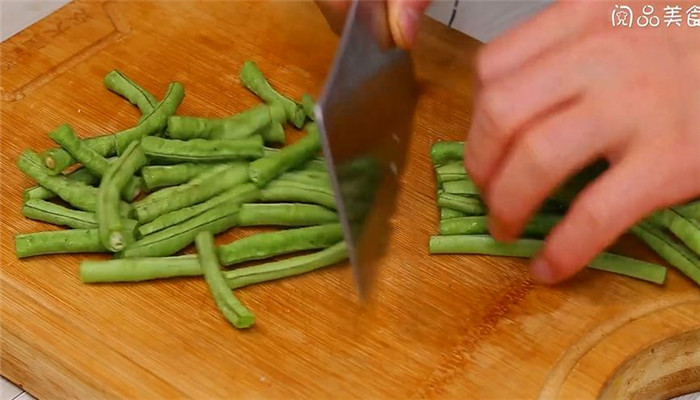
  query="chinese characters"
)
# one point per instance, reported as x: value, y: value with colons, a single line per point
x: 673, y: 16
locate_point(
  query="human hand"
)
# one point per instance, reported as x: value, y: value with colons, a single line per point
x: 404, y: 17
x: 567, y: 88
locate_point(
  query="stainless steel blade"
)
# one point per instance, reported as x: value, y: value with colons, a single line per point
x: 365, y: 118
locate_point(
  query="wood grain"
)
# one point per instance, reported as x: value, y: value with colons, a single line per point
x: 442, y: 327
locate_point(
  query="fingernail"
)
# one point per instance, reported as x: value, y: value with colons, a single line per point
x: 409, y: 25
x: 541, y: 271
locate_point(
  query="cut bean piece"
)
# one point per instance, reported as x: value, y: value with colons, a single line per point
x: 109, y: 222
x: 175, y: 238
x: 57, y: 159
x: 674, y: 253
x: 446, y: 152
x: 285, y: 268
x: 252, y: 78
x: 95, y: 163
x: 139, y: 269
x: 119, y: 83
x: 154, y: 122
x: 461, y: 187
x: 62, y: 242
x: 691, y: 210
x: 273, y: 134
x: 77, y: 194
x: 308, y: 104
x: 41, y: 193
x: 231, y: 308
x: 240, y: 194
x: 321, y: 181
x: 42, y: 210
x: 271, y: 244
x: 285, y: 214
x: 203, y: 150
x: 284, y: 192
x: 267, y: 168
x: 158, y: 176
x: 467, y: 205
x: 448, y: 213
x: 685, y: 229
x: 197, y: 190
x: 238, y: 126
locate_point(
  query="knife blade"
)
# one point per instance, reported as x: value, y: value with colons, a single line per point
x: 365, y: 117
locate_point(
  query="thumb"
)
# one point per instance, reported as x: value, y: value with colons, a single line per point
x: 404, y: 19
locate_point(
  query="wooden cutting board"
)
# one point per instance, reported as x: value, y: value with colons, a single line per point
x: 441, y: 327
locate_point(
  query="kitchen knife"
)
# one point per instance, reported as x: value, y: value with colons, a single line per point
x: 365, y: 116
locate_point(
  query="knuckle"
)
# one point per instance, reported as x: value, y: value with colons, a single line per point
x: 590, y: 217
x: 494, y: 113
x: 536, y: 159
x: 483, y: 62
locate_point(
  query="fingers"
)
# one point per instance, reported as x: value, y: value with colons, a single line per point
x: 334, y: 11
x: 505, y: 106
x: 404, y: 20
x: 539, y: 160
x: 554, y: 26
x: 604, y: 210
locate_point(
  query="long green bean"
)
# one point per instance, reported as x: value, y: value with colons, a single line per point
x: 285, y: 268
x: 453, y: 167
x: 95, y: 163
x: 685, y: 229
x: 239, y: 194
x: 42, y: 210
x: 119, y: 83
x: 158, y: 176
x: 238, y: 126
x: 526, y: 248
x: 538, y: 226
x: 467, y: 205
x: 271, y: 244
x: 77, y: 194
x: 58, y: 242
x: 264, y: 170
x: 690, y: 210
x: 154, y: 122
x: 285, y: 214
x: 203, y: 150
x: 41, y: 193
x: 674, y: 253
x: 461, y: 187
x: 320, y: 181
x: 57, y: 159
x: 195, y: 191
x: 139, y: 269
x: 448, y: 213
x: 284, y: 191
x: 63, y: 242
x: 231, y: 308
x: 175, y: 238
x: 252, y: 78
x: 254, y: 247
x: 109, y: 222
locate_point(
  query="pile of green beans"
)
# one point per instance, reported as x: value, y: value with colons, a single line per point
x: 170, y: 183
x: 674, y: 233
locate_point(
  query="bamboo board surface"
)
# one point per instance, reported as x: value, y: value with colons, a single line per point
x: 440, y: 327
